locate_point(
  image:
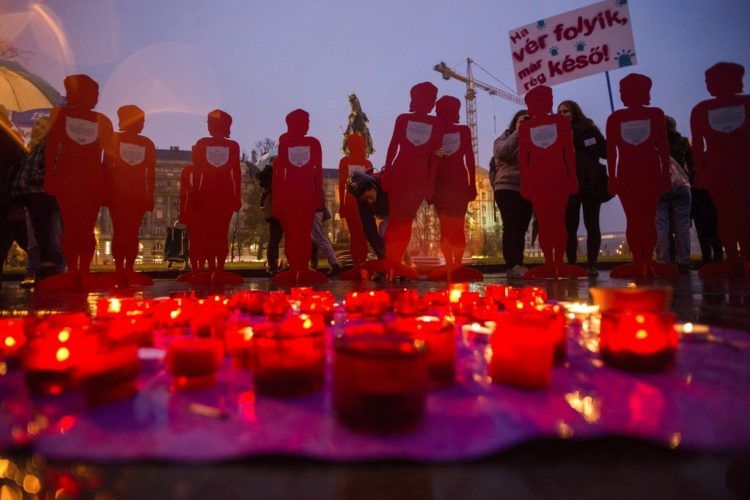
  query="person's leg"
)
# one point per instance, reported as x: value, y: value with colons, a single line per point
x: 321, y: 241
x: 681, y: 219
x: 662, y: 220
x: 591, y: 210
x: 572, y: 220
x: 33, y: 258
x: 11, y: 229
x: 515, y: 213
x: 275, y: 233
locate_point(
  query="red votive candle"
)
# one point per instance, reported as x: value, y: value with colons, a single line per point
x: 532, y: 295
x: 290, y: 359
x: 240, y: 342
x: 522, y: 351
x: 558, y: 330
x: 375, y: 303
x: 353, y: 302
x: 193, y: 362
x: 318, y: 303
x: 409, y: 303
x: 51, y: 359
x: 484, y: 309
x: 638, y: 341
x: 440, y: 337
x: 110, y: 375
x: 276, y: 305
x: 379, y: 382
x: 209, y: 318
x: 12, y: 338
x: 499, y: 293
x: 437, y: 302
x: 135, y: 328
x: 248, y: 301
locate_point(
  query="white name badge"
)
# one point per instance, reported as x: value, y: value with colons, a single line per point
x: 543, y: 136
x: 418, y: 133
x: 726, y: 119
x: 132, y: 154
x: 299, y: 156
x: 451, y: 143
x: 356, y: 168
x: 81, y: 131
x: 217, y: 156
x: 589, y: 142
x: 635, y: 132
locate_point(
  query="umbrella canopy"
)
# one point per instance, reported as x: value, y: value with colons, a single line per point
x: 267, y: 158
x: 22, y: 91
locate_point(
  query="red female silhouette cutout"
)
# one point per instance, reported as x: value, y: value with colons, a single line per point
x: 74, y: 171
x: 356, y: 161
x: 638, y: 165
x: 721, y: 148
x: 130, y: 169
x: 297, y: 194
x: 409, y: 173
x: 455, y: 187
x: 196, y: 254
x: 546, y: 159
x: 216, y: 188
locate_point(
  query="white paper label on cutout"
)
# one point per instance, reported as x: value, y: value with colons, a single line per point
x: 635, y: 132
x: 726, y: 119
x: 356, y: 168
x: 81, y: 131
x: 217, y: 155
x: 132, y: 154
x: 418, y: 133
x: 590, y: 141
x: 543, y: 136
x: 299, y: 156
x: 451, y: 143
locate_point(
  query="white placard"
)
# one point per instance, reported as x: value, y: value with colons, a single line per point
x: 132, y: 154
x: 451, y: 143
x: 418, y: 133
x: 299, y: 156
x: 543, y: 136
x: 81, y: 131
x: 635, y: 132
x: 217, y: 156
x: 727, y: 119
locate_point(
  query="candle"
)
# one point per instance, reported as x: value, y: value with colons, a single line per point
x: 484, y: 309
x: 522, y: 351
x: 437, y: 302
x: 440, y: 338
x: 109, y: 375
x: 636, y: 341
x: 135, y: 328
x: 248, y: 301
x: 52, y: 356
x: 639, y: 299
x: 12, y: 338
x: 290, y: 358
x: 321, y: 303
x: 374, y: 304
x: 463, y: 307
x: 353, y: 302
x: 240, y: 342
x: 379, y: 382
x: 193, y: 362
x: 532, y: 295
x: 408, y: 303
x: 554, y: 315
x: 276, y: 305
x: 209, y: 317
x: 499, y: 293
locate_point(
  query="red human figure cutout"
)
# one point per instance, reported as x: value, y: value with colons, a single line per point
x: 409, y: 173
x: 638, y: 165
x: 74, y: 171
x: 455, y: 187
x: 216, y: 188
x: 721, y: 149
x: 196, y: 253
x: 356, y: 161
x: 546, y: 159
x: 130, y: 169
x: 297, y: 194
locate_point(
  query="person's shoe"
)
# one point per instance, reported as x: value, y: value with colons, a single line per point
x: 335, y: 270
x: 28, y: 281
x: 517, y: 271
x: 591, y: 271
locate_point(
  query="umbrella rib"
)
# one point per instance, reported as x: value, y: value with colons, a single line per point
x: 10, y: 87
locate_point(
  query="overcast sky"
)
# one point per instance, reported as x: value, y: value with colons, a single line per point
x: 258, y: 60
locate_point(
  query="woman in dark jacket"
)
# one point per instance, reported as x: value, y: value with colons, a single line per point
x: 590, y: 146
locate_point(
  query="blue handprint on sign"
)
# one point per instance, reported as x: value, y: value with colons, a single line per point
x: 554, y: 51
x: 580, y: 46
x: 541, y: 24
x: 625, y: 58
x: 621, y: 3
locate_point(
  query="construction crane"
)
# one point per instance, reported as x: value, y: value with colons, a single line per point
x: 471, y: 105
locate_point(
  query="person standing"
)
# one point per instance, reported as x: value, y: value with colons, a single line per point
x: 590, y: 146
x: 515, y: 210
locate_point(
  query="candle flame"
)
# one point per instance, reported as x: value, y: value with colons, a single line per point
x: 687, y: 328
x: 247, y: 333
x: 62, y: 354
x: 115, y: 306
x: 175, y: 313
x: 307, y: 324
x: 641, y: 334
x: 64, y: 335
x: 455, y: 295
x: 10, y: 341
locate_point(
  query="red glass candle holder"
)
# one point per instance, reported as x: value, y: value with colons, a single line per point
x: 321, y: 303
x: 375, y: 303
x: 379, y: 382
x: 409, y: 303
x: 193, y: 362
x: 638, y: 341
x: 440, y: 337
x: 437, y: 302
x: 135, y: 328
x: 532, y: 295
x: 557, y: 327
x: 12, y: 339
x: 522, y: 351
x: 372, y: 329
x: 299, y: 292
x: 276, y: 305
x: 500, y: 293
x: 240, y: 342
x: 110, y: 375
x: 248, y: 301
x: 353, y: 302
x: 49, y: 363
x: 209, y: 318
x: 290, y: 358
x: 172, y: 313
